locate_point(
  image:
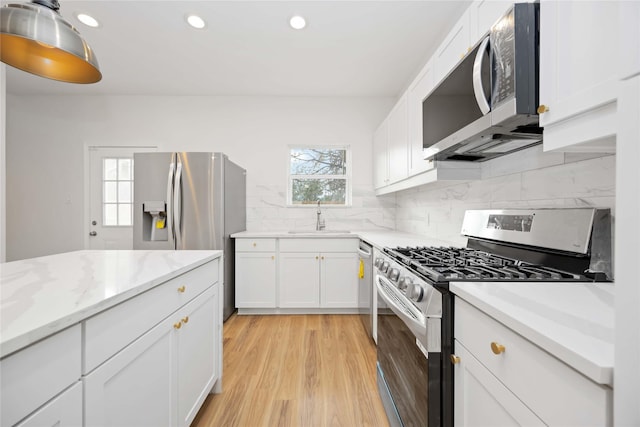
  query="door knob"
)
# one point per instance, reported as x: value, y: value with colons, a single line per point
x: 93, y: 233
x: 542, y: 109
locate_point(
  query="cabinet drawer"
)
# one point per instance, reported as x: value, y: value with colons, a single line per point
x: 36, y: 374
x: 63, y: 411
x: 319, y: 245
x: 255, y: 245
x: 554, y: 391
x: 110, y: 331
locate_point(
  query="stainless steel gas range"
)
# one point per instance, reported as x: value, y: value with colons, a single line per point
x: 416, y: 310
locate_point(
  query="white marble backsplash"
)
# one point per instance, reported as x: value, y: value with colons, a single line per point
x: 267, y: 211
x: 530, y: 178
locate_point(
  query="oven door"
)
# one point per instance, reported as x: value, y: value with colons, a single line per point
x: 408, y: 380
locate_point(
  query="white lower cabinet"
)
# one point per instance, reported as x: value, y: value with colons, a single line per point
x: 255, y: 279
x: 296, y: 274
x: 162, y: 378
x: 338, y: 280
x: 299, y: 280
x: 501, y: 378
x: 480, y: 399
x: 63, y: 411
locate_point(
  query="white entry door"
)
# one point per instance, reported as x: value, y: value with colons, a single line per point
x: 111, y: 196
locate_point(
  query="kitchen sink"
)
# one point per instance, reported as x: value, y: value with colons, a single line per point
x: 319, y: 232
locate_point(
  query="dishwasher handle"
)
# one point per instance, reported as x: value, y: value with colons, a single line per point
x: 365, y: 251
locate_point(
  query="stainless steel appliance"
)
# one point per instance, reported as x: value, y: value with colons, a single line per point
x: 190, y: 201
x: 486, y: 107
x: 365, y: 289
x: 415, y: 332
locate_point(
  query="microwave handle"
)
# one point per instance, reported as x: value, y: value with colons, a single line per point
x: 478, y: 90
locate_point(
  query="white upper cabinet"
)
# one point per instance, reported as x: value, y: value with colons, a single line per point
x: 418, y: 91
x: 381, y: 156
x: 398, y: 153
x: 578, y: 74
x: 453, y: 48
x: 629, y: 39
x: 483, y: 14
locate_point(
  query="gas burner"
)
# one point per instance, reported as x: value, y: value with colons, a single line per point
x: 445, y: 264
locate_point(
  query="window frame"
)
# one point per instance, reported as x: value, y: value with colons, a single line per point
x: 347, y: 176
x: 117, y: 203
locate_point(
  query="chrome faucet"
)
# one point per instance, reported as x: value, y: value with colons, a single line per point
x: 320, y: 221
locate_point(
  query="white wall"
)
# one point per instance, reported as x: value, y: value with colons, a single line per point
x: 529, y: 178
x: 46, y: 136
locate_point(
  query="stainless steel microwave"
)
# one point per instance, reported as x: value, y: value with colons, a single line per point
x: 486, y: 106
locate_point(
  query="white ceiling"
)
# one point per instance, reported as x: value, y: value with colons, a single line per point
x: 349, y: 48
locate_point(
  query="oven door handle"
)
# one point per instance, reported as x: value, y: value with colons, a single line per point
x: 417, y: 325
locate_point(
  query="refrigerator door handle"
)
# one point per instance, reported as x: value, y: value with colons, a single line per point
x: 172, y: 169
x: 177, y: 204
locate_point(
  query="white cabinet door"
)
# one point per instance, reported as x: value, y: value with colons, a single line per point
x: 338, y: 280
x: 380, y: 156
x: 454, y: 47
x: 578, y: 72
x: 629, y: 39
x: 299, y: 280
x: 416, y: 95
x: 136, y: 387
x: 483, y: 14
x: 255, y: 279
x: 197, y: 353
x: 481, y: 400
x: 398, y: 154
x: 64, y: 410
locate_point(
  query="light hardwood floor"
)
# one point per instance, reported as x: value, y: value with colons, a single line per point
x: 302, y: 370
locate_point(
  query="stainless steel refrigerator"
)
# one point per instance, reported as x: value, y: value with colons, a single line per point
x: 190, y: 201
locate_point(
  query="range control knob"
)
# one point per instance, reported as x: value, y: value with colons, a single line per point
x: 415, y: 292
x: 384, y: 267
x: 393, y: 274
x: 378, y: 262
x: 404, y: 283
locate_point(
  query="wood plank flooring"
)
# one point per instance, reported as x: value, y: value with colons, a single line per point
x: 298, y: 370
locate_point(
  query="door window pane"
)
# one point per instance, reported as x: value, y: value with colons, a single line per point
x: 110, y: 169
x: 124, y: 214
x: 124, y: 192
x: 124, y: 169
x: 110, y: 214
x: 110, y: 194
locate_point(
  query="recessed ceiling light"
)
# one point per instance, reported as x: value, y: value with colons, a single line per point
x: 297, y: 22
x: 196, y: 22
x: 87, y: 20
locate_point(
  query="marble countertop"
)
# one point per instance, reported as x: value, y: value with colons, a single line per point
x: 377, y: 238
x: 572, y: 321
x: 41, y: 296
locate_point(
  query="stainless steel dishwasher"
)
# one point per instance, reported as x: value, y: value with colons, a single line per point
x: 366, y: 296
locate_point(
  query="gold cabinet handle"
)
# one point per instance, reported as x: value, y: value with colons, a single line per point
x: 185, y: 319
x: 182, y: 288
x: 254, y: 244
x: 177, y: 325
x: 316, y: 257
x: 321, y: 257
x: 497, y: 348
x: 273, y: 257
x: 454, y: 359
x: 542, y: 109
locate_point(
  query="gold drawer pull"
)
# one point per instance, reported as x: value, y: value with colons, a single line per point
x: 254, y: 244
x: 182, y: 288
x: 185, y: 319
x: 497, y: 348
x: 542, y: 109
x: 177, y: 325
x: 454, y: 359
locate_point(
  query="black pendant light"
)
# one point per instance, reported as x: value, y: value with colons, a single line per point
x: 35, y: 38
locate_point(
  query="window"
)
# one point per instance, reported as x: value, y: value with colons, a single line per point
x: 117, y: 192
x: 319, y: 173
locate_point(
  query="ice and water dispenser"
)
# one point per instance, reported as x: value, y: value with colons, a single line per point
x: 154, y: 221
